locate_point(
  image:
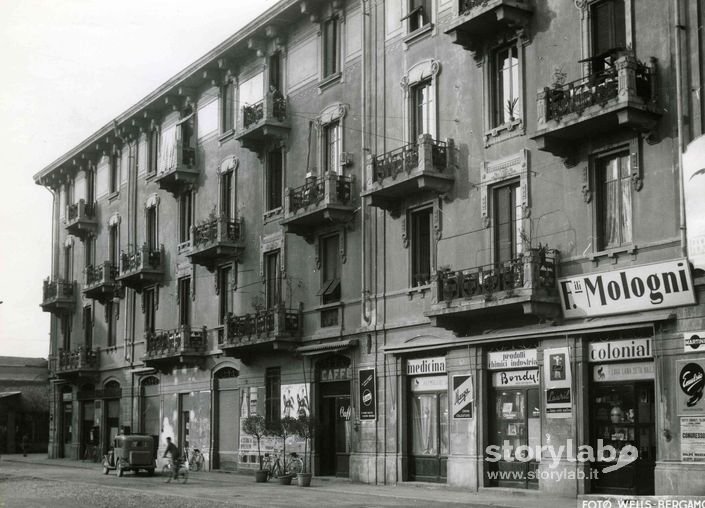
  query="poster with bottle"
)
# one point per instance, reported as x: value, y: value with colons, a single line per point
x: 557, y: 382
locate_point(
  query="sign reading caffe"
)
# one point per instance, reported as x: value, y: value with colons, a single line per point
x: 646, y: 287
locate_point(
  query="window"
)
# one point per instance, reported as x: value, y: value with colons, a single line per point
x: 507, y: 224
x: 421, y: 110
x: 227, y: 205
x: 421, y: 247
x: 614, y: 207
x: 151, y: 228
x: 272, y: 401
x: 419, y: 14
x: 70, y: 195
x: 185, y: 216
x: 330, y: 269
x: 227, y: 108
x: 66, y: 332
x: 331, y: 64
x: 272, y: 279
x: 275, y: 71
x: 609, y: 31
x: 506, y: 86
x: 153, y: 151
x: 332, y: 145
x: 184, y: 288
x: 88, y: 327
x: 274, y: 177
x: 225, y: 287
x: 114, y: 245
x: 114, y: 173
x: 89, y: 248
x: 111, y: 322
x: 90, y: 187
x: 150, y: 307
x: 68, y: 262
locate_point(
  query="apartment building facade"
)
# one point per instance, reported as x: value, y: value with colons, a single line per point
x: 365, y: 212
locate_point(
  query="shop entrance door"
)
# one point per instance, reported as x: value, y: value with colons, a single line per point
x: 335, y: 422
x: 428, y: 433
x: 623, y: 414
x: 515, y: 420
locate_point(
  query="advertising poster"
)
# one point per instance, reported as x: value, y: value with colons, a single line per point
x: 295, y: 400
x: 557, y: 382
x: 694, y: 342
x: 690, y: 386
x: 694, y: 189
x: 368, y: 395
x: 463, y: 397
x: 693, y: 438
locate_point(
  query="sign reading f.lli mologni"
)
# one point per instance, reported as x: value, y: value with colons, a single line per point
x: 368, y: 402
x: 645, y: 287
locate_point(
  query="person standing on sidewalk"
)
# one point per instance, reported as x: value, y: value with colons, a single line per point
x: 173, y: 454
x: 25, y: 444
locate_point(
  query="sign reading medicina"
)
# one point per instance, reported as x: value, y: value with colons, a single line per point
x: 646, y: 287
x: 421, y: 366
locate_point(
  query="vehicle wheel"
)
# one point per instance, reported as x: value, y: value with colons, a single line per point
x: 167, y: 474
x: 119, y: 471
x: 105, y: 470
x: 295, y: 466
x: 150, y: 472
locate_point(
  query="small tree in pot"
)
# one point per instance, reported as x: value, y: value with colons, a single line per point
x: 306, y: 428
x: 254, y: 425
x: 284, y: 428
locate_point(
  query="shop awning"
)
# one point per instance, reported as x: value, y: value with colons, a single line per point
x: 9, y: 394
x: 536, y: 331
x: 326, y: 347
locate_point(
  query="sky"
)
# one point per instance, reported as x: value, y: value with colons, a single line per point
x: 68, y: 68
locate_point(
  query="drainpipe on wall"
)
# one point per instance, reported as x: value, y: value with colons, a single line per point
x: 679, y: 124
x: 365, y: 150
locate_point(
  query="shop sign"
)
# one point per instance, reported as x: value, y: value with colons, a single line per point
x: 694, y: 342
x: 429, y: 384
x: 646, y: 287
x: 693, y: 439
x: 515, y: 378
x: 67, y: 397
x: 344, y: 411
x: 417, y: 366
x: 463, y: 396
x: 623, y: 371
x: 516, y: 359
x: 558, y: 379
x: 368, y: 394
x: 690, y: 386
x: 634, y: 349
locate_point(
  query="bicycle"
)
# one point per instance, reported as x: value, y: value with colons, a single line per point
x: 195, y: 459
x: 275, y: 468
x: 181, y: 473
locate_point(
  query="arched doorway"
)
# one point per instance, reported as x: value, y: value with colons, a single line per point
x: 227, y: 419
x: 333, y: 374
x: 150, y: 407
x: 67, y: 429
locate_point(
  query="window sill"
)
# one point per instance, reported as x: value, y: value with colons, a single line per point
x: 419, y: 34
x: 329, y: 81
x: 421, y: 290
x: 113, y: 196
x: 272, y: 215
x: 614, y: 254
x: 505, y: 131
x: 183, y: 247
x: 151, y: 175
x: 226, y: 136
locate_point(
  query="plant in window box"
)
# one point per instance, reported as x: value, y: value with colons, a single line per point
x: 254, y: 425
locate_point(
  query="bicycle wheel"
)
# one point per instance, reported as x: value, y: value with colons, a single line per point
x: 182, y: 476
x: 296, y: 465
x: 166, y: 473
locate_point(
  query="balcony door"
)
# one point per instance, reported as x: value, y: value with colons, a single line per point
x: 507, y: 224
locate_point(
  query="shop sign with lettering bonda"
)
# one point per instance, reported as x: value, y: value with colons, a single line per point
x: 523, y: 377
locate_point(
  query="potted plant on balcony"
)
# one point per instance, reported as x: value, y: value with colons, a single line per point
x: 306, y: 428
x: 284, y: 428
x: 254, y: 425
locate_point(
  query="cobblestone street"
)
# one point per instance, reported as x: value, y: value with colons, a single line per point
x: 35, y: 482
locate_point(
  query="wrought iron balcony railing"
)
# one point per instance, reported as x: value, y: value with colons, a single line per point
x: 100, y: 281
x: 81, y: 219
x: 177, y: 167
x: 161, y: 344
x: 263, y: 121
x: 58, y: 296
x: 141, y: 267
x: 216, y: 239
x: 254, y: 113
x: 263, y: 326
x: 77, y: 361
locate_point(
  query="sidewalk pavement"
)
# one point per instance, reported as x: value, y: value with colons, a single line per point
x: 420, y: 491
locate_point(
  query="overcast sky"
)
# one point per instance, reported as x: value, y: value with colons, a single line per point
x: 68, y: 68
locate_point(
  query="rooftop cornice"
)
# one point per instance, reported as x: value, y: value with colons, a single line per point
x: 171, y: 86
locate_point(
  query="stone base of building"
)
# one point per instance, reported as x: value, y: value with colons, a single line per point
x: 682, y: 478
x: 463, y: 472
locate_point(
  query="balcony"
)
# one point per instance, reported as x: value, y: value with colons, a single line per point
x: 319, y: 202
x: 81, y: 220
x: 76, y: 363
x: 170, y: 348
x: 513, y: 290
x: 417, y: 167
x: 263, y: 121
x: 621, y: 97
x: 100, y: 283
x: 216, y: 240
x: 264, y: 331
x: 58, y: 296
x: 141, y: 267
x: 479, y: 20
x: 177, y: 170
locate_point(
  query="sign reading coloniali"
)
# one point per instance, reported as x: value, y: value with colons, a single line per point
x: 646, y: 287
